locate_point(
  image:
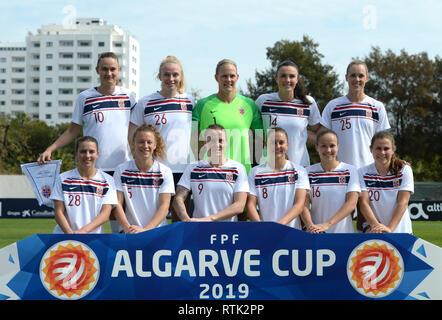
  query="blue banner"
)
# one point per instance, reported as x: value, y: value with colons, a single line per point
x: 221, y: 261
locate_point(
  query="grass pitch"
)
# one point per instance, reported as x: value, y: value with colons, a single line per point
x: 13, y: 230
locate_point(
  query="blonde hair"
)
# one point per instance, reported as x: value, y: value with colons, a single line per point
x: 357, y: 62
x: 160, y: 150
x: 173, y: 59
x: 224, y: 62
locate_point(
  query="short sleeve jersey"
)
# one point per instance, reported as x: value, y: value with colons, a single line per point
x: 106, y: 118
x: 294, y: 117
x: 83, y: 199
x: 328, y: 194
x: 142, y: 190
x: 275, y: 191
x: 383, y: 191
x: 213, y: 189
x: 355, y: 125
x: 236, y: 117
x: 173, y: 120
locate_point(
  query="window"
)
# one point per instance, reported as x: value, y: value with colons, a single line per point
x: 83, y: 55
x: 48, y: 68
x: 101, y: 44
x: 65, y: 79
x: 49, y: 55
x: 84, y: 67
x: 65, y: 66
x: 18, y: 59
x: 66, y: 55
x: 49, y: 44
x: 48, y: 116
x: 66, y: 43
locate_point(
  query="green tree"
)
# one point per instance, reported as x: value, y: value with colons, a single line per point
x: 23, y: 139
x: 319, y: 79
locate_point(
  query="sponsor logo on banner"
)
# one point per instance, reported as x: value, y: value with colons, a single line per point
x: 69, y: 270
x: 375, y: 268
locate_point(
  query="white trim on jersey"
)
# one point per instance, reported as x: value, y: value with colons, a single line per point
x: 382, y: 192
x: 355, y: 124
x: 328, y: 194
x: 172, y: 117
x: 213, y: 189
x: 294, y: 117
x: 106, y: 118
x: 142, y: 190
x: 83, y: 199
x: 275, y: 191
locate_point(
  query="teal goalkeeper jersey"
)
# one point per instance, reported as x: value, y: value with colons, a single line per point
x: 236, y: 117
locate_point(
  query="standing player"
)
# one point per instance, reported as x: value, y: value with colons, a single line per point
x: 218, y: 184
x: 387, y: 185
x: 334, y: 189
x: 278, y: 186
x: 104, y: 113
x: 170, y: 111
x: 355, y: 118
x: 144, y: 185
x: 291, y: 109
x: 83, y: 197
x: 236, y: 113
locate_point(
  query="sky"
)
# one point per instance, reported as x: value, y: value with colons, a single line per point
x: 202, y: 32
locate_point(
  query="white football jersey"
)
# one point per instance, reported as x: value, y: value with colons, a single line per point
x: 173, y: 120
x: 293, y: 117
x: 142, y: 190
x: 83, y: 199
x: 213, y: 188
x: 383, y: 191
x: 355, y: 125
x: 106, y: 118
x: 328, y: 192
x: 275, y: 191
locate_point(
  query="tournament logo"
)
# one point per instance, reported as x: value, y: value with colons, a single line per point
x: 69, y: 270
x: 375, y: 268
x: 46, y: 191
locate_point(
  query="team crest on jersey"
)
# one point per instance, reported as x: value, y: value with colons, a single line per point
x: 183, y: 106
x: 369, y: 113
x: 156, y: 182
x: 69, y: 270
x: 121, y: 103
x: 375, y: 268
x: 242, y: 110
x: 229, y: 177
x: 396, y: 183
x: 291, y: 178
x: 46, y: 191
x: 99, y: 191
x: 300, y: 112
x: 341, y: 179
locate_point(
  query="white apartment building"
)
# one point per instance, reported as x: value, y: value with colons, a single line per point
x: 60, y: 63
x: 12, y: 78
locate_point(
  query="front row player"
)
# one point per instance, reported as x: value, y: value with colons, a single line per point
x: 387, y: 185
x: 144, y: 185
x: 218, y: 184
x: 83, y: 197
x: 334, y: 189
x: 279, y: 186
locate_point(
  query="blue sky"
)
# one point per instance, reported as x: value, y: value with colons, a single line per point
x: 202, y: 32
